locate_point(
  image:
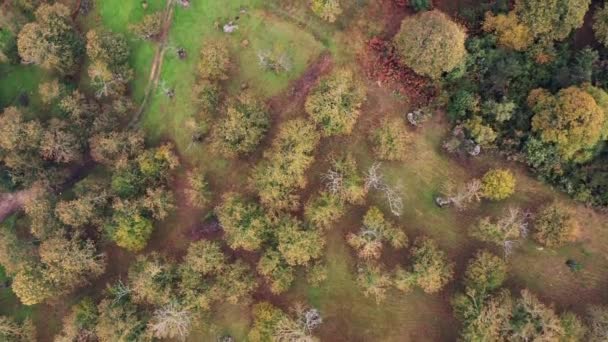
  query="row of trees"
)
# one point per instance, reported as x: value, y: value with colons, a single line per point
x: 491, y: 313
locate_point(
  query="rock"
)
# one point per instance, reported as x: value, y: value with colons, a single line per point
x: 230, y: 27
x: 181, y: 53
x: 244, y: 86
x: 442, y: 202
x: 245, y: 43
x: 144, y: 4
x: 472, y: 148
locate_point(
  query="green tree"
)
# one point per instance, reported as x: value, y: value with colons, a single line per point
x: 283, y: 170
x: 205, y: 257
x: 345, y: 181
x: 328, y: 10
x: 51, y: 40
x: 482, y: 133
x: 374, y: 281
x: 441, y: 51
x: 555, y: 226
x: 273, y: 267
x: 498, y: 184
x: 131, y: 230
x: 600, y: 24
x: 335, y: 103
x: 214, y: 61
x: 485, y: 273
x: 571, y: 119
x: 431, y: 270
x: 298, y: 245
x: 508, y: 227
x: 390, y: 140
x: 243, y: 126
x: 120, y: 322
x: 32, y: 286
x: 244, y: 222
x: 235, y: 284
x: 551, y: 19
x: 79, y: 323
x: 323, y: 210
x: 12, y: 331
x: 150, y: 27
x: 510, y: 31
x: 376, y: 230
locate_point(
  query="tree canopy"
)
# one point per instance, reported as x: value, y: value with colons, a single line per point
x: 431, y: 43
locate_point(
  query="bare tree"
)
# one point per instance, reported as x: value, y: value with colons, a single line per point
x: 374, y: 180
x: 171, y: 321
x: 333, y: 181
x: 461, y: 197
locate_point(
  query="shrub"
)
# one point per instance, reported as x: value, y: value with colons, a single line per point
x: 600, y: 25
x: 243, y: 126
x: 441, y: 50
x: 323, y: 210
x: 498, y: 184
x: 485, y: 273
x: 326, y: 9
x: 214, y: 61
x: 554, y: 226
x: 335, y: 103
x: 390, y: 140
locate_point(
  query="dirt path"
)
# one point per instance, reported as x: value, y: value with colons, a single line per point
x: 157, y: 62
x: 295, y: 96
x: 11, y: 202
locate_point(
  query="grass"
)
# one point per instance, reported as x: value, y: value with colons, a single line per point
x: 118, y: 15
x: 197, y: 24
x: 20, y: 79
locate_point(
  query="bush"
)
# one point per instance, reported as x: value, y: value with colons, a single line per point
x: 243, y: 126
x: 214, y: 61
x: 441, y: 50
x: 326, y: 9
x: 554, y: 226
x: 485, y: 273
x: 335, y: 103
x: 390, y: 140
x: 498, y: 184
x: 323, y: 210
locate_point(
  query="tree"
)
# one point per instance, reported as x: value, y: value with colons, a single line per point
x: 571, y: 119
x: 59, y: 144
x: 150, y: 26
x: 39, y: 209
x: 32, y: 286
x: 152, y: 278
x: 119, y: 322
x: 554, y: 226
x: 498, y: 184
x: 328, y: 10
x: 499, y: 111
x: 345, y: 181
x: 214, y: 61
x: 243, y: 127
x: 431, y: 270
x: 482, y: 133
x: 51, y: 41
x: 235, y: 284
x: 197, y: 193
x: 335, y: 103
x: 376, y: 230
x: 598, y: 323
x: 441, y: 51
x: 107, y: 47
x: 551, y: 19
x: 531, y: 320
x: 12, y: 331
x: 159, y: 202
x: 71, y: 262
x: 116, y: 148
x: 283, y: 170
x: 297, y: 245
x: 485, y: 273
x: 390, y: 140
x: 600, y: 25
x: 510, y: 226
x: 79, y: 323
x: 171, y: 321
x: 510, y: 31
x: 244, y: 222
x: 205, y: 257
x: 323, y: 210
x: 485, y: 321
x: 277, y: 272
x: 374, y: 281
x: 131, y: 230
